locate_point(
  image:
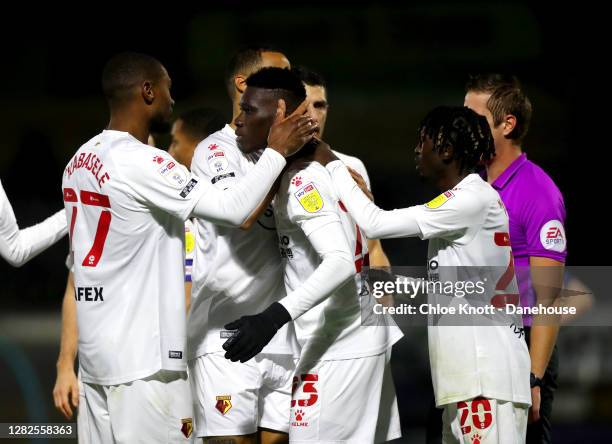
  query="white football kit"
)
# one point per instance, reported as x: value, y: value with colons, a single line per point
x: 126, y: 203
x: 236, y: 272
x: 342, y: 390
x: 19, y: 246
x: 467, y: 227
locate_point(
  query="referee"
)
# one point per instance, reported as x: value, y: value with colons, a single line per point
x: 537, y: 216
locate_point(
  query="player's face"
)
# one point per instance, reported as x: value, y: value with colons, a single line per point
x: 183, y: 146
x: 257, y: 111
x: 477, y: 102
x: 163, y: 104
x: 317, y: 109
x: 429, y: 164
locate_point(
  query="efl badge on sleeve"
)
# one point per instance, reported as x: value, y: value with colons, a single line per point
x: 223, y: 404
x: 437, y: 202
x: 187, y: 427
x: 308, y: 196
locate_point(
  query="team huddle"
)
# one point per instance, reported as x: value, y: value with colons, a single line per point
x: 216, y: 288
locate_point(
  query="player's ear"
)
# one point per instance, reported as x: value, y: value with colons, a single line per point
x: 509, y: 124
x: 447, y: 153
x: 147, y: 92
x: 240, y: 83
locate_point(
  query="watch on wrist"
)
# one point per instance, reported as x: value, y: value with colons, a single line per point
x: 534, y: 381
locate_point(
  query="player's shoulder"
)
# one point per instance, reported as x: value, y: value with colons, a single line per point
x: 354, y: 162
x: 221, y: 140
x: 471, y: 195
x: 299, y: 173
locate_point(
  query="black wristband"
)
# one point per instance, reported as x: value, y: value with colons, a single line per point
x: 534, y: 381
x: 277, y: 314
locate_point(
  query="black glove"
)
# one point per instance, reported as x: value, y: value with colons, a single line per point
x: 252, y: 333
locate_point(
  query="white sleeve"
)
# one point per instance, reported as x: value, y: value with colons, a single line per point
x: 232, y: 206
x: 19, y: 246
x: 217, y: 162
x: 312, y: 207
x: 156, y: 179
x: 377, y: 223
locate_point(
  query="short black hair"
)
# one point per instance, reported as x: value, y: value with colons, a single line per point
x: 199, y: 123
x: 125, y: 70
x: 289, y: 86
x: 309, y: 77
x: 465, y: 130
x: 246, y: 60
x: 507, y: 97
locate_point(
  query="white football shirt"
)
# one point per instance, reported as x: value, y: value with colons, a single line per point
x: 466, y: 227
x: 126, y: 203
x: 17, y: 246
x: 308, y: 212
x: 237, y: 272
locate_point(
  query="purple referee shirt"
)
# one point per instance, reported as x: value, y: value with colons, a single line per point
x: 537, y: 217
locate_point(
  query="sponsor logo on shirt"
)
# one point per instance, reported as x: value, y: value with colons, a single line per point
x: 217, y: 160
x: 190, y: 186
x: 222, y: 176
x: 186, y: 427
x: 437, y: 202
x: 89, y: 294
x: 309, y: 198
x: 299, y: 419
x: 158, y: 159
x: 224, y: 404
x: 552, y: 236
x: 213, y: 146
x: 169, y: 166
x: 175, y: 354
x: 297, y: 181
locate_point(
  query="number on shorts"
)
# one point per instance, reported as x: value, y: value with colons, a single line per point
x: 308, y: 388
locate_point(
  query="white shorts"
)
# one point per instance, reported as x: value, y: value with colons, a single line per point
x: 82, y: 419
x: 156, y: 409
x: 233, y: 398
x: 484, y: 421
x: 345, y: 401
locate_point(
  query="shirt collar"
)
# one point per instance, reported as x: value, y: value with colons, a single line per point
x: 509, y: 172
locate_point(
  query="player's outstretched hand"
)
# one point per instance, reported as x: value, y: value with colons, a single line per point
x: 288, y: 134
x: 66, y: 392
x: 252, y: 333
x: 323, y: 153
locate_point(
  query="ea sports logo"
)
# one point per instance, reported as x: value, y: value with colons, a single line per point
x: 552, y: 236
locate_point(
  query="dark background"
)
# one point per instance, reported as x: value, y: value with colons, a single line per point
x: 387, y: 64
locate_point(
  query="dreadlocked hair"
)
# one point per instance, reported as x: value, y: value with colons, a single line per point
x: 466, y: 131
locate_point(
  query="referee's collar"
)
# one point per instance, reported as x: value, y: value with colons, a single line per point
x: 509, y: 172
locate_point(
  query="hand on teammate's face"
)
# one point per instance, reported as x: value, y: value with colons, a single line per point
x: 289, y: 134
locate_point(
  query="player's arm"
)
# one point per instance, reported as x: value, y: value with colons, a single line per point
x: 378, y: 257
x: 66, y: 390
x: 254, y: 332
x: 19, y: 246
x: 263, y: 206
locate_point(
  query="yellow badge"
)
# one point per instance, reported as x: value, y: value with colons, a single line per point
x: 187, y: 427
x: 437, y: 202
x: 308, y: 196
x: 223, y: 404
x: 189, y: 241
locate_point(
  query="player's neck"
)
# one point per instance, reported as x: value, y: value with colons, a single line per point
x: 504, y: 156
x: 450, y: 179
x: 135, y: 126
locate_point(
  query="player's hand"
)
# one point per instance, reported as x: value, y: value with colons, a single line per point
x: 252, y: 333
x: 66, y: 391
x: 323, y: 153
x: 361, y: 183
x: 288, y: 134
x: 534, y: 410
